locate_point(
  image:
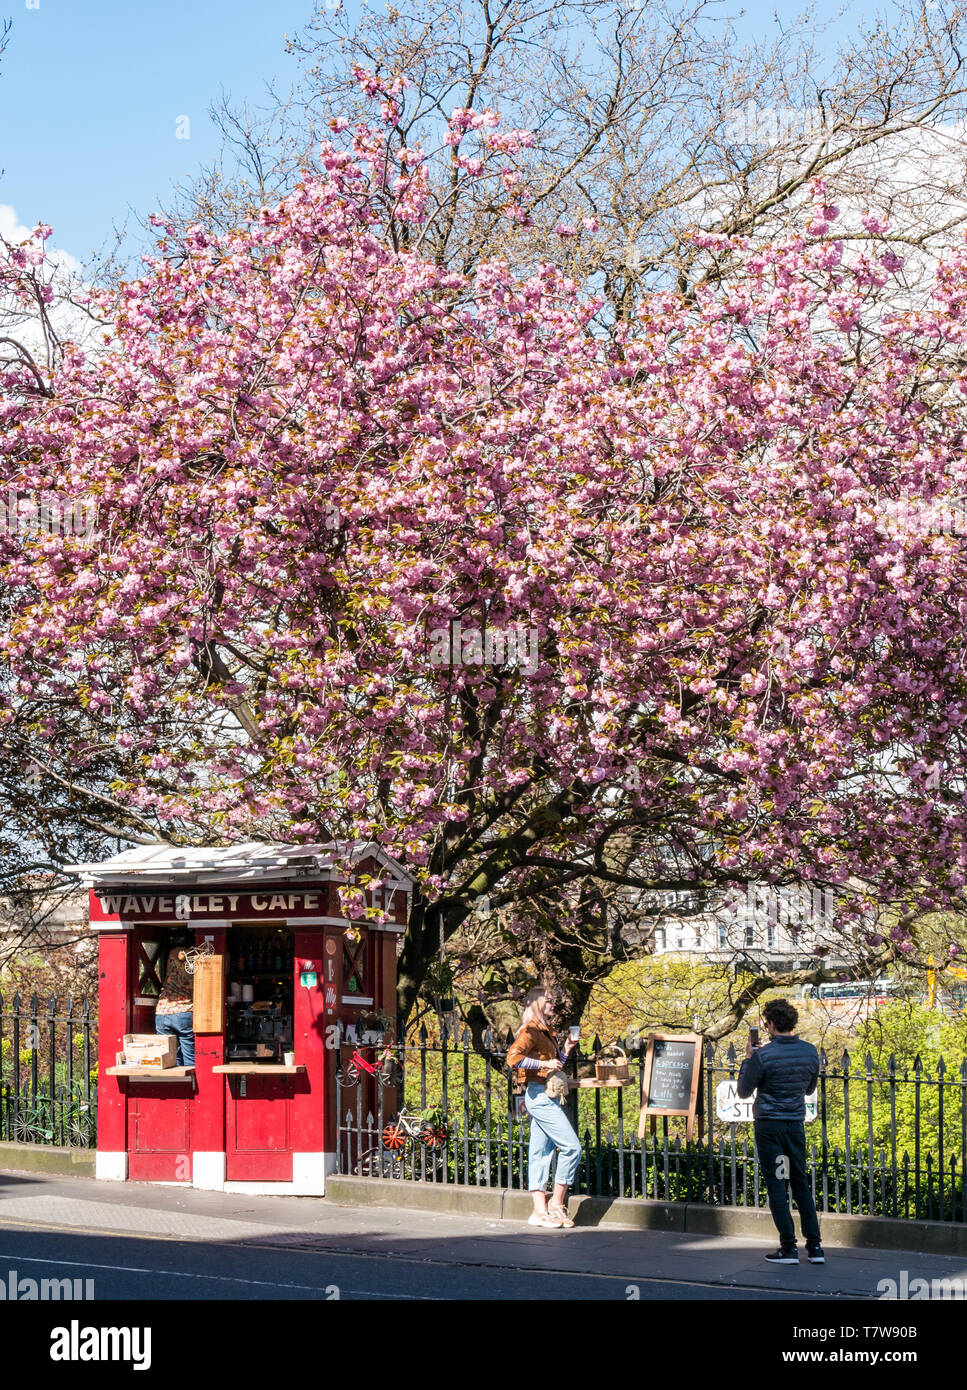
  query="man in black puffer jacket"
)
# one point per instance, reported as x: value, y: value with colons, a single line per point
x: 783, y: 1072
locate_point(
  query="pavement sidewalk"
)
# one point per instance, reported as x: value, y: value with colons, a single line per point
x: 320, y: 1224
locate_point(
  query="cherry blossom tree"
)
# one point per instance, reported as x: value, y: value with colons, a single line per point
x: 384, y: 551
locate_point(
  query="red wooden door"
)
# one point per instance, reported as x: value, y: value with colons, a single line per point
x: 258, y: 1128
x: 159, y: 1117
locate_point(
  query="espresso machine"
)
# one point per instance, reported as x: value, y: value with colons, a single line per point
x: 258, y: 1033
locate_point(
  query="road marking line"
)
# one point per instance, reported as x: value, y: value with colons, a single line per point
x: 221, y: 1278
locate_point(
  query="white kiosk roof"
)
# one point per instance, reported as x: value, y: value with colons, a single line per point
x: 232, y: 864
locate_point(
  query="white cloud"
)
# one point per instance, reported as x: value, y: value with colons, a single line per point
x: 66, y: 276
x: 10, y: 228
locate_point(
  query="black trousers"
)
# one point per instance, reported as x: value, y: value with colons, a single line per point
x: 781, y: 1146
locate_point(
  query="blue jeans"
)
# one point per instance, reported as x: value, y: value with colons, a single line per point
x: 550, y: 1129
x: 181, y: 1025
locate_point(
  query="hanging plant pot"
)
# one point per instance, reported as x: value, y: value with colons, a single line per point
x: 438, y: 982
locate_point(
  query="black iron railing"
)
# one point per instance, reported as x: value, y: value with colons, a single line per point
x: 48, y: 1057
x: 886, y: 1139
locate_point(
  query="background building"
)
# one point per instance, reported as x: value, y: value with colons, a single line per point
x: 777, y: 928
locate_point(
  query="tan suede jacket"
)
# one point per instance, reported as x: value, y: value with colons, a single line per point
x: 531, y: 1041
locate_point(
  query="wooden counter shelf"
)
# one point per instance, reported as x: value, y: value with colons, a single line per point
x: 257, y: 1069
x: 153, y: 1073
x: 592, y: 1083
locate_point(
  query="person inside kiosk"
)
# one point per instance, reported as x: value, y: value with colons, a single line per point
x: 174, y: 1011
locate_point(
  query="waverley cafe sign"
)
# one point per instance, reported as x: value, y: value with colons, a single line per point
x: 268, y: 903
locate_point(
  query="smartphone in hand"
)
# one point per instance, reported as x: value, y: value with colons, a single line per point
x: 753, y: 1037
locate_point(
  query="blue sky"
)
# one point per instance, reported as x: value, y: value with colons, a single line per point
x: 91, y: 92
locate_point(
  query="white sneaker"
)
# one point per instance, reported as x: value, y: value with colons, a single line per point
x: 545, y: 1220
x: 562, y: 1216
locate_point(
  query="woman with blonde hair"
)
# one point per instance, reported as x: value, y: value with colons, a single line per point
x: 534, y: 1055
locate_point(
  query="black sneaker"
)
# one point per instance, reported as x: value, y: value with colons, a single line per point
x: 784, y: 1257
x: 814, y: 1254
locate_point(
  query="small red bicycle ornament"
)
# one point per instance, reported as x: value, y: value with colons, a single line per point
x: 384, y: 1068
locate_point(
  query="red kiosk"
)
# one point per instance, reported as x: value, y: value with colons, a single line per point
x: 257, y: 1111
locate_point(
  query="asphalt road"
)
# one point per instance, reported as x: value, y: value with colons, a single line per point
x: 135, y: 1268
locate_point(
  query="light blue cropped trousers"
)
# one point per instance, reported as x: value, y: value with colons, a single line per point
x: 550, y: 1129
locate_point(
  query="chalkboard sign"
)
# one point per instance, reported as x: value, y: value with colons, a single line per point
x: 673, y: 1067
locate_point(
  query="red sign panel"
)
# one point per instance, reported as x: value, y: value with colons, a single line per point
x: 219, y: 904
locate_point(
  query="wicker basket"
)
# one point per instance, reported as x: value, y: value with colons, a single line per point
x: 613, y: 1067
